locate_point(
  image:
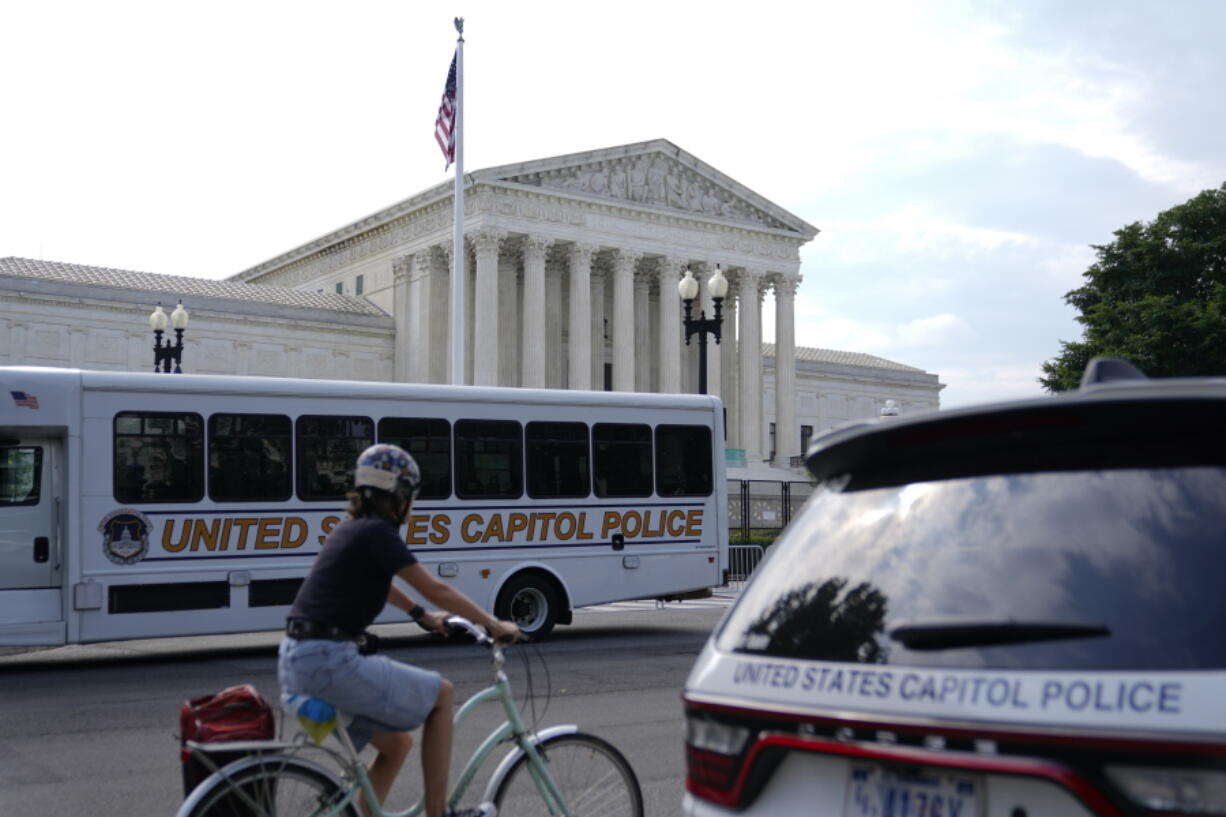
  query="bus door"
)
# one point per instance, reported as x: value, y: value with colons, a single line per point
x: 30, y: 498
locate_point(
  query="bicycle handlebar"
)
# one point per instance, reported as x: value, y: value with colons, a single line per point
x: 459, y: 624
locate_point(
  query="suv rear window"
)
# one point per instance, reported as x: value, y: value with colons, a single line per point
x: 1121, y: 563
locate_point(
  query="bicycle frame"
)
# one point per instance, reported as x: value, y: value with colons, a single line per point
x: 512, y: 729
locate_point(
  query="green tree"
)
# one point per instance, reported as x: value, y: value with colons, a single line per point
x: 1156, y: 297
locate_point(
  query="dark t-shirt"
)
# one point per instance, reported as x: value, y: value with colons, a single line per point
x: 348, y: 584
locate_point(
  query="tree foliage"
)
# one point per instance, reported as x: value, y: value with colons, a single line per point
x: 1156, y: 297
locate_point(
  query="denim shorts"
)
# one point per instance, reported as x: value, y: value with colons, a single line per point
x: 381, y: 695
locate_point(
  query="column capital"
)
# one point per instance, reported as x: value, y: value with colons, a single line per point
x: 536, y: 246
x: 786, y: 283
x: 626, y: 260
x: 486, y: 241
x: 582, y: 253
x: 402, y: 269
x: 671, y: 267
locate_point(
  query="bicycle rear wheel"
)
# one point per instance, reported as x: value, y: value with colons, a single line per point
x: 595, y: 780
x: 275, y: 789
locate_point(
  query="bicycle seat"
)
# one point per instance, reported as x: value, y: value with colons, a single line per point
x: 317, y: 717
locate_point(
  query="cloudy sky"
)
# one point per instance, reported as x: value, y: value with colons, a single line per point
x: 959, y: 158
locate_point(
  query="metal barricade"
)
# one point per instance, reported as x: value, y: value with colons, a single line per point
x: 764, y: 506
x: 742, y: 559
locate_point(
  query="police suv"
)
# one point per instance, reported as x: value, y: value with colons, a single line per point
x: 1014, y: 610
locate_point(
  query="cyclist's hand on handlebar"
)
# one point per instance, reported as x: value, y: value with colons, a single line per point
x: 504, y: 632
x: 436, y: 622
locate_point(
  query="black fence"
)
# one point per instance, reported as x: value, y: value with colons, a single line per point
x: 763, y: 507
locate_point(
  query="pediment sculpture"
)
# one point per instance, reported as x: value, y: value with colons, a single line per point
x: 651, y: 179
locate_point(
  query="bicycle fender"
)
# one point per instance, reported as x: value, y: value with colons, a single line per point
x: 218, y: 777
x: 504, y: 766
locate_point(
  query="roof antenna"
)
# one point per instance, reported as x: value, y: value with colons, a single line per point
x: 1102, y: 370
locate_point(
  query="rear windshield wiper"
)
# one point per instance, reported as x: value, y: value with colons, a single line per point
x: 936, y: 635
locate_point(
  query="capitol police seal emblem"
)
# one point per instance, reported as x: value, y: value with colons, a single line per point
x: 125, y: 536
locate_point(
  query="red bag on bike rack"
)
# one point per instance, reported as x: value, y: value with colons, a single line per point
x: 237, y: 713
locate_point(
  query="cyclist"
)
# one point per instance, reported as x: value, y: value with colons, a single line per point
x: 348, y: 586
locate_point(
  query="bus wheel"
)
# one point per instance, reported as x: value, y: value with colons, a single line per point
x: 531, y: 602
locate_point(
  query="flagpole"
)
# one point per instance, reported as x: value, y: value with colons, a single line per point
x: 457, y: 248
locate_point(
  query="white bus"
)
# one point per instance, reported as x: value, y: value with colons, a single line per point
x: 146, y: 505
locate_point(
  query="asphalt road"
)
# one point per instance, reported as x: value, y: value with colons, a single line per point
x: 93, y: 729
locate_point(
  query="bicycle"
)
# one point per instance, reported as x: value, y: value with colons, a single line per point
x: 557, y: 771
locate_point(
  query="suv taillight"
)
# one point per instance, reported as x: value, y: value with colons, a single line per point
x: 1172, y: 790
x: 714, y: 753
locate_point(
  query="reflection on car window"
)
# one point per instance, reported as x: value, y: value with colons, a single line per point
x: 1112, y: 547
x: 825, y: 618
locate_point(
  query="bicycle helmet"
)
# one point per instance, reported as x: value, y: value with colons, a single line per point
x: 388, y: 468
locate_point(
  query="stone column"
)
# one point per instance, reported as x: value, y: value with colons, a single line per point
x: 532, y: 349
x: 641, y: 328
x: 508, y: 317
x: 402, y: 313
x: 484, y: 328
x: 421, y: 276
x: 750, y: 341
x: 670, y: 325
x: 597, y: 329
x: 555, y: 291
x: 787, y: 435
x: 623, y: 320
x: 728, y: 375
x: 438, y: 322
x: 579, y: 351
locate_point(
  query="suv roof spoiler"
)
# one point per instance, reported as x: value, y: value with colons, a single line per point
x: 1101, y: 370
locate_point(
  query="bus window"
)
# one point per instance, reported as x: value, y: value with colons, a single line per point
x: 621, y: 454
x: 683, y: 461
x: 557, y: 460
x: 429, y: 441
x: 21, y: 475
x: 327, y: 448
x: 249, y: 457
x: 489, y: 459
x: 159, y: 457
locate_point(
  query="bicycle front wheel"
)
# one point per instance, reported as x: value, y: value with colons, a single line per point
x: 277, y: 789
x: 593, y: 777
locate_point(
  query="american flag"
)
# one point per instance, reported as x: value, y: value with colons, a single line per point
x: 444, y: 125
x: 24, y: 398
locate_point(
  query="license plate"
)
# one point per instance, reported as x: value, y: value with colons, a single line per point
x: 873, y: 791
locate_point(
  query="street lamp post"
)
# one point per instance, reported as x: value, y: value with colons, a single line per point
x: 164, y: 354
x: 687, y: 287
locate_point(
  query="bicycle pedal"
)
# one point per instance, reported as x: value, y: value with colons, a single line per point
x: 486, y: 809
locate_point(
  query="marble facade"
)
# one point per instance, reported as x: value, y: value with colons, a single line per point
x: 572, y: 264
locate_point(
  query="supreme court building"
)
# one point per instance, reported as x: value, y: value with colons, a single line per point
x: 572, y: 266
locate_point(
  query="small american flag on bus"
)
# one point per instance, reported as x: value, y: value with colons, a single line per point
x: 24, y: 398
